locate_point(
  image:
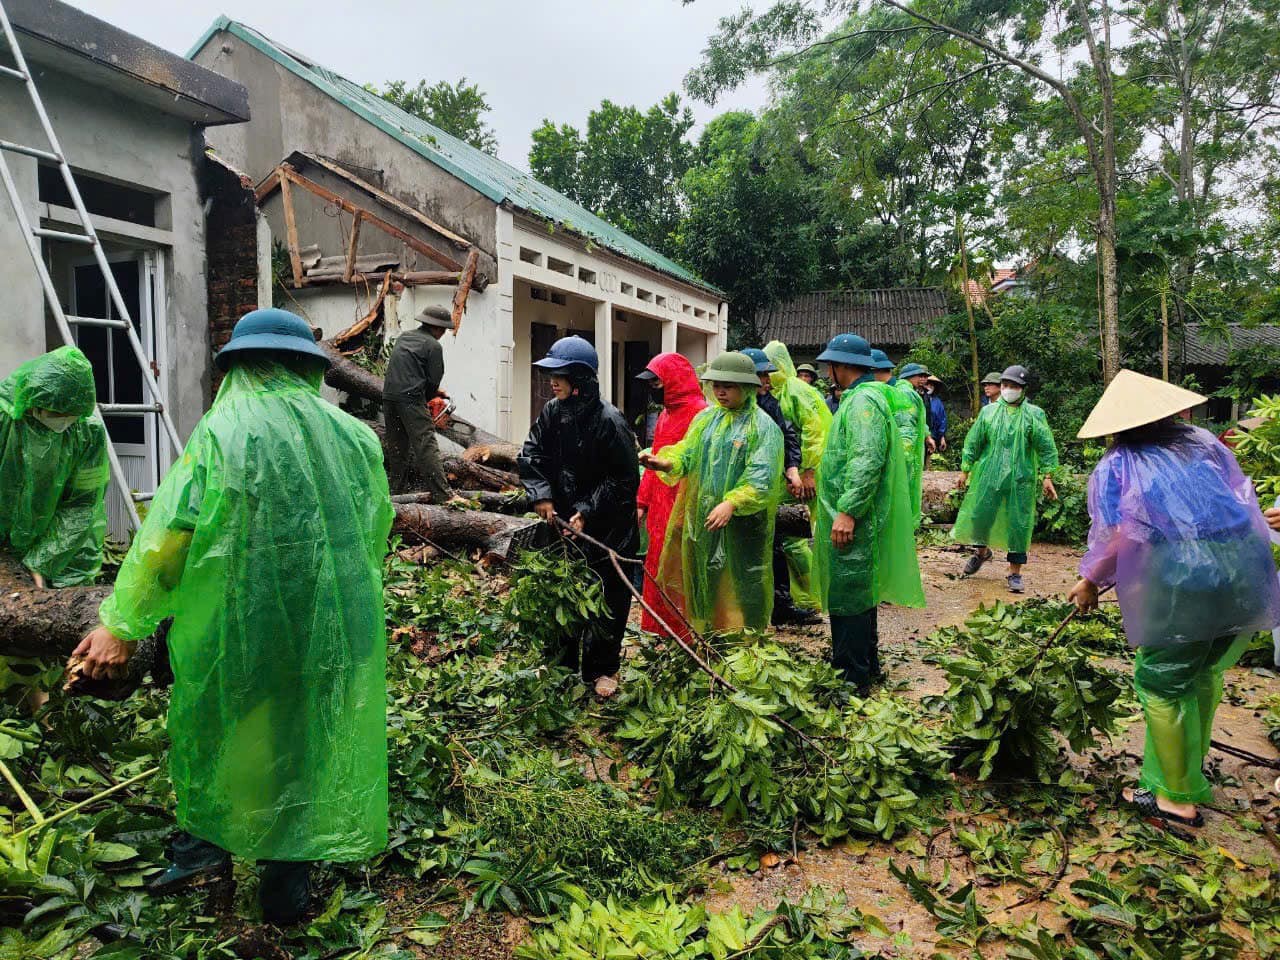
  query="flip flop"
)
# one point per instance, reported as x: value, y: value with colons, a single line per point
x: 1146, y: 803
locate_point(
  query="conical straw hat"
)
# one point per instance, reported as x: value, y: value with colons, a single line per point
x: 1132, y: 400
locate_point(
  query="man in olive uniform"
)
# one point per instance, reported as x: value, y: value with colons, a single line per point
x: 413, y: 379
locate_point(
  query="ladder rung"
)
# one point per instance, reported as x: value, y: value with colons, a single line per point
x: 131, y: 407
x: 96, y: 322
x: 143, y: 497
x: 29, y: 151
x: 15, y: 74
x: 62, y: 235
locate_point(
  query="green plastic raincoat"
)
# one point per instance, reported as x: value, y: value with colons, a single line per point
x: 723, y: 579
x: 864, y: 474
x: 806, y: 408
x: 265, y: 544
x: 913, y: 427
x: 52, y: 511
x: 1008, y: 451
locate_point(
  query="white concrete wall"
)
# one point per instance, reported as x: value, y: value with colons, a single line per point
x: 109, y: 136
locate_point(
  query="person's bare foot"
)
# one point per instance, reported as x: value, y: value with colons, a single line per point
x: 1185, y: 813
x: 606, y: 687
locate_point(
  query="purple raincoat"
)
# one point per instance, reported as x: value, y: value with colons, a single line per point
x: 1178, y: 531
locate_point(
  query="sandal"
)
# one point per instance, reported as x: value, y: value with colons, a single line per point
x: 1146, y: 803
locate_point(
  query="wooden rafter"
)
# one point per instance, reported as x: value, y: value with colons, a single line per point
x: 285, y: 175
x: 290, y: 228
x: 352, y: 243
x: 464, y: 288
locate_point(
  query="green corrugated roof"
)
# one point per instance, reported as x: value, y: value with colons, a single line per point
x: 497, y: 180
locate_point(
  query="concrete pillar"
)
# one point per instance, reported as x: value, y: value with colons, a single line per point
x: 669, y: 328
x: 721, y: 341
x: 604, y: 349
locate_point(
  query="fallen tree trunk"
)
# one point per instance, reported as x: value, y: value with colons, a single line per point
x: 478, y: 476
x: 349, y: 377
x: 497, y: 534
x: 500, y: 456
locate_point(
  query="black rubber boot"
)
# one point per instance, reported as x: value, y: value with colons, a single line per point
x: 284, y: 891
x: 191, y: 861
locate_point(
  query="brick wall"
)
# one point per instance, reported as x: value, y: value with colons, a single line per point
x: 231, y: 245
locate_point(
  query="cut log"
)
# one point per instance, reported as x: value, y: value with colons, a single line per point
x: 793, y: 521
x: 459, y: 531
x: 513, y: 503
x: 500, y: 456
x: 477, y: 476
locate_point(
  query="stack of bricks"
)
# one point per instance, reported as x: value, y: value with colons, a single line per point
x: 231, y: 250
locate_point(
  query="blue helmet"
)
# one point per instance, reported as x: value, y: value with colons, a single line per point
x: 762, y: 362
x: 913, y: 370
x: 570, y: 352
x: 272, y: 329
x: 882, y: 360
x: 849, y: 348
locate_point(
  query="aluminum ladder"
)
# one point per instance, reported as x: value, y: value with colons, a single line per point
x: 89, y: 238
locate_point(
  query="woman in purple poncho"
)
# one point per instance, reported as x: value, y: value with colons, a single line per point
x: 1178, y: 532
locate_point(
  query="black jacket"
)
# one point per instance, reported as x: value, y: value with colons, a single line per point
x: 415, y: 369
x: 581, y: 455
x: 790, y: 439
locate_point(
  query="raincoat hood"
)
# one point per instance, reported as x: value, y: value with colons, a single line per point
x: 777, y: 352
x: 61, y: 381
x: 680, y: 384
x: 801, y: 403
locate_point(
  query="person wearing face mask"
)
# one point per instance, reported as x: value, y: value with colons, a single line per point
x: 676, y: 386
x: 53, y: 469
x: 717, y: 556
x: 579, y: 464
x: 1008, y: 453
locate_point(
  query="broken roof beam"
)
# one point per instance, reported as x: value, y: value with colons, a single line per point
x: 352, y: 244
x: 286, y: 174
x: 410, y: 278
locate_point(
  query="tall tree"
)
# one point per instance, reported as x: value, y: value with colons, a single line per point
x: 456, y: 108
x: 627, y: 167
x: 747, y: 43
x: 752, y: 225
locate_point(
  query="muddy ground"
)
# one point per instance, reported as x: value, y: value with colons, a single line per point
x: 859, y: 869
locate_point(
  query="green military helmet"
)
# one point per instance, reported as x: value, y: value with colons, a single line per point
x: 732, y: 367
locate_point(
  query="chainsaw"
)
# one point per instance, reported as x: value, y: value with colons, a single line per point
x: 440, y: 409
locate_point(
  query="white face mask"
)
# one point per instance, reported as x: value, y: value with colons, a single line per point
x: 57, y: 422
x: 1011, y: 394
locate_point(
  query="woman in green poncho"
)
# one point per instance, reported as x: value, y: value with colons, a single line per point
x: 716, y: 562
x: 864, y: 540
x: 265, y: 544
x: 53, y: 469
x: 1008, y: 451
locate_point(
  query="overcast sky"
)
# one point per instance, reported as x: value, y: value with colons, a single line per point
x: 532, y: 58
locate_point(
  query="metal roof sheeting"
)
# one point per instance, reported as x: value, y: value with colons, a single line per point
x: 1205, y: 350
x: 892, y: 316
x: 499, y: 181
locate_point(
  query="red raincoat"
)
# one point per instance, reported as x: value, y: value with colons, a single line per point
x: 682, y: 400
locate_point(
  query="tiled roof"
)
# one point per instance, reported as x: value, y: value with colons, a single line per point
x: 1206, y: 350
x: 499, y: 181
x: 894, y: 316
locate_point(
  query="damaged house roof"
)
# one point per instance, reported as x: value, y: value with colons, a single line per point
x: 55, y: 34
x: 499, y: 181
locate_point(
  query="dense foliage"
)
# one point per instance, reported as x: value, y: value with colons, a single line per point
x: 783, y: 742
x: 1016, y: 685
